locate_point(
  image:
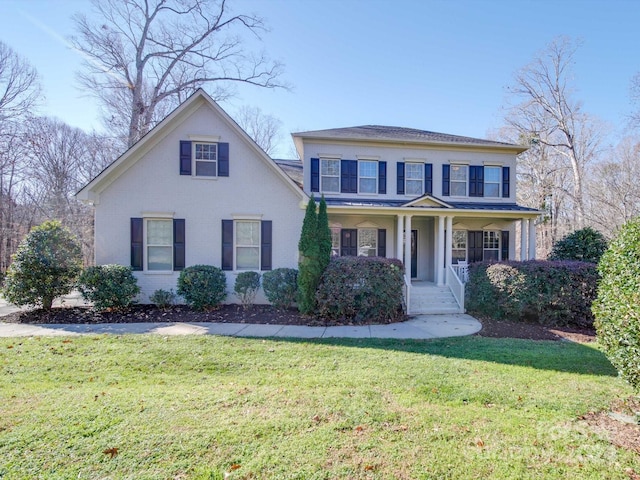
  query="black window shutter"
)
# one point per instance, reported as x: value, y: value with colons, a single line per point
x: 505, y: 182
x: 265, y: 245
x: 446, y: 177
x: 315, y: 174
x: 223, y: 159
x: 476, y: 181
x: 382, y: 177
x: 227, y: 244
x: 349, y: 176
x: 178, y: 244
x: 185, y: 157
x: 400, y: 177
x: 137, y: 243
x: 504, y: 247
x: 382, y: 242
x: 428, y: 179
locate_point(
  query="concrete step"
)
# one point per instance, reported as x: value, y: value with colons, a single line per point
x: 431, y: 299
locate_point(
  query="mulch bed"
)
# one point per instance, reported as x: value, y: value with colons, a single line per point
x: 266, y: 314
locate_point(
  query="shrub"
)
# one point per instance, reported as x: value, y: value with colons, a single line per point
x: 362, y: 289
x: 617, y: 308
x: 281, y: 287
x: 544, y: 292
x: 202, y: 286
x: 45, y: 266
x: 108, y: 286
x: 309, y: 268
x: 585, y: 245
x: 246, y: 287
x: 163, y: 298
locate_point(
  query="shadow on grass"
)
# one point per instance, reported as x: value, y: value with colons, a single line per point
x: 542, y: 355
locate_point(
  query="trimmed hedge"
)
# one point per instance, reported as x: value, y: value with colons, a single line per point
x: 585, y: 245
x: 617, y: 308
x: 202, y: 286
x: 362, y: 289
x: 108, y: 286
x: 246, y: 287
x: 281, y: 287
x: 549, y: 293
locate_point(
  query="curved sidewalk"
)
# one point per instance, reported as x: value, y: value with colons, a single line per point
x: 420, y: 327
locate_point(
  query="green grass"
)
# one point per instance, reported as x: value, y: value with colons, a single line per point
x: 197, y: 407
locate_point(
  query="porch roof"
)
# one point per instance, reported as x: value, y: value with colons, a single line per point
x: 359, y: 202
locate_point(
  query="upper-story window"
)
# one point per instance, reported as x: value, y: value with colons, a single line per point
x: 413, y: 178
x: 330, y: 175
x: 205, y: 158
x: 367, y: 176
x: 492, y: 180
x: 459, y: 175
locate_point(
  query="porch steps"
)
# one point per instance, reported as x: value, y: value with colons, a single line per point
x: 428, y: 298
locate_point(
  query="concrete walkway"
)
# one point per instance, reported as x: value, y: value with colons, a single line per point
x: 418, y: 327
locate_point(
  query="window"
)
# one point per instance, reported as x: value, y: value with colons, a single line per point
x: 206, y: 159
x: 159, y: 245
x: 367, y: 242
x: 491, y: 245
x: 492, y: 181
x: 247, y: 245
x: 367, y: 177
x: 329, y: 175
x: 459, y: 245
x: 459, y: 180
x: 335, y: 242
x: 413, y: 178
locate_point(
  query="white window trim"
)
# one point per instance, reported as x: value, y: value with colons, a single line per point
x: 145, y: 232
x: 375, y: 240
x: 330, y: 176
x: 235, y: 242
x: 466, y: 181
x: 375, y: 178
x: 498, y: 249
x: 204, y: 138
x: 499, y: 182
x: 406, y: 178
x: 194, y: 160
x: 466, y: 243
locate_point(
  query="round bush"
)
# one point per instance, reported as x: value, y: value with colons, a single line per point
x: 362, y: 289
x: 108, y: 286
x: 281, y: 287
x: 44, y: 267
x: 202, y: 286
x: 585, y: 245
x: 617, y: 307
x: 246, y: 287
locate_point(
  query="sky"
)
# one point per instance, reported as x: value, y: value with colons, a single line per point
x: 442, y: 66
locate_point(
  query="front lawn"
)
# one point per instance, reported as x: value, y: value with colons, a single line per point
x: 196, y: 407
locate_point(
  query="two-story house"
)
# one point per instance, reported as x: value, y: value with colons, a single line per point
x: 198, y: 190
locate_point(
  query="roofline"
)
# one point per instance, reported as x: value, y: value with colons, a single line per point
x: 91, y: 191
x: 433, y: 212
x: 389, y: 140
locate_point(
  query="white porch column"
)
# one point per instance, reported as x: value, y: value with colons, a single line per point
x: 440, y: 252
x: 448, y: 243
x: 532, y: 239
x: 400, y: 237
x: 407, y: 249
x: 523, y: 238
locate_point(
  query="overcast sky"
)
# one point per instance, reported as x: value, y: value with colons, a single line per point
x: 434, y: 65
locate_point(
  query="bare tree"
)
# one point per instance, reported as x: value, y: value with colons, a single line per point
x: 19, y: 89
x: 548, y: 113
x: 143, y: 57
x: 614, y: 189
x: 264, y: 129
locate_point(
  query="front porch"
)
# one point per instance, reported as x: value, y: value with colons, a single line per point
x: 431, y: 245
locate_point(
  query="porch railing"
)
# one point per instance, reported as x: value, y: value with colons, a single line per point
x: 407, y: 293
x: 456, y: 285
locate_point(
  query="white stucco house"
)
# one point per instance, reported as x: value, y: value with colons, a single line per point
x: 198, y: 190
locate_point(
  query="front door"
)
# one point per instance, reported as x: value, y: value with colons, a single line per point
x: 414, y: 253
x: 348, y: 242
x: 474, y: 246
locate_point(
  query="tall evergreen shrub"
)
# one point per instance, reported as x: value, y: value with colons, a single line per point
x: 324, y: 235
x: 617, y: 306
x: 309, y: 269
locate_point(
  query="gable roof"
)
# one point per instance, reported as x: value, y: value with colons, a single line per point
x: 381, y: 133
x: 91, y: 191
